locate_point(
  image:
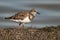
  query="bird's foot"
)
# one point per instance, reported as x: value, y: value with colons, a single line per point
x: 20, y: 27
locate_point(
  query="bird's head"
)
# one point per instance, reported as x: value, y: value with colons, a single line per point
x: 34, y: 12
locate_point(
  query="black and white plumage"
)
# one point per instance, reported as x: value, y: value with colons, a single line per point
x: 24, y: 16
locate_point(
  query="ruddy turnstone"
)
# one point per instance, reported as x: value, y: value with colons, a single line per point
x: 23, y: 17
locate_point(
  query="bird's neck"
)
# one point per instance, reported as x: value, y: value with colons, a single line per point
x: 33, y: 13
x: 31, y: 16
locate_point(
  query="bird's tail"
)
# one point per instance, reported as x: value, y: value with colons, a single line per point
x: 7, y: 17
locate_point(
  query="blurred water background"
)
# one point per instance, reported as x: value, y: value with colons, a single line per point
x: 50, y: 12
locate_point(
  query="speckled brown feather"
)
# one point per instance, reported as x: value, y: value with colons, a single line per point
x: 21, y: 15
x: 31, y: 17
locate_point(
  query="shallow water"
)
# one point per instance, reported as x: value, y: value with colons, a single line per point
x: 46, y: 18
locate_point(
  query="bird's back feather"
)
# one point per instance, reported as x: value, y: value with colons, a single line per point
x: 19, y: 15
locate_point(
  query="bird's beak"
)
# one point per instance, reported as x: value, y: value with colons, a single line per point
x: 38, y: 13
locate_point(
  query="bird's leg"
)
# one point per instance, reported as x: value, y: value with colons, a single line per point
x: 23, y: 24
x: 20, y: 24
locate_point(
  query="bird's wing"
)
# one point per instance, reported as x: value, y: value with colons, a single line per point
x: 20, y: 15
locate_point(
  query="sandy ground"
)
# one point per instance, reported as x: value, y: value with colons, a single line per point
x: 47, y: 33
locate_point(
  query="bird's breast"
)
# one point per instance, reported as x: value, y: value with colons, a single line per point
x: 26, y: 19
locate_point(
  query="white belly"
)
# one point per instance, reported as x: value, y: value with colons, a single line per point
x: 24, y: 20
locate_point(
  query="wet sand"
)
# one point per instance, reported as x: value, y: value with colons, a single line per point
x: 46, y: 33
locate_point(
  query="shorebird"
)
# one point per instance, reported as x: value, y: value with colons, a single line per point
x: 23, y: 17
